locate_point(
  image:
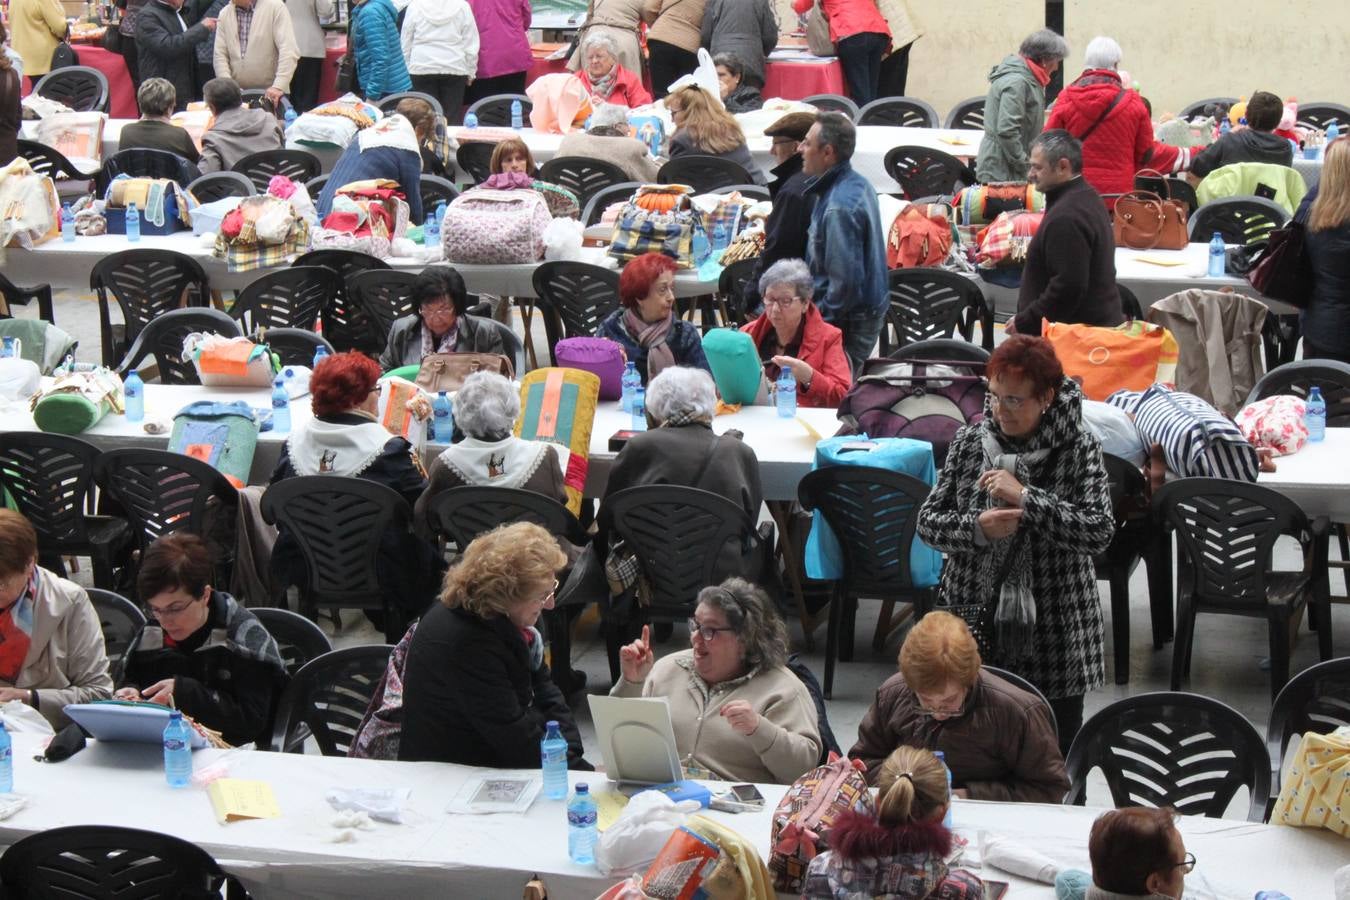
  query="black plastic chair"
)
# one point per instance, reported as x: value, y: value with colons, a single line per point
x: 337, y: 523
x: 595, y: 207
x: 969, y: 113
x: 121, y: 622
x: 107, y: 861
x: 750, y: 192
x: 833, y: 103
x: 575, y: 298
x: 943, y: 350
x: 1018, y: 681
x: 163, y: 339
x: 1316, y: 700
x: 344, y: 262
x: 286, y: 298
x: 434, y: 191
x: 928, y: 303
x: 873, y: 512
x: 384, y: 297
x: 313, y: 187
x: 327, y: 699
x: 389, y: 102
x: 1199, y: 107
x: 1241, y: 220
x: 82, y: 88
x: 1171, y: 749
x: 704, y: 174
x: 1227, y: 532
x: 295, y: 346
x: 1321, y: 114
x: 1169, y: 187
x: 474, y: 159
x: 344, y: 321
x: 1129, y: 303
x: 48, y: 161
x: 495, y: 111
x: 898, y: 112
x: 297, y: 165
x: 22, y: 296
x: 923, y: 172
x: 582, y: 175
x: 253, y: 98
x: 145, y: 284
x: 219, y: 185
x: 512, y: 346
x: 734, y: 290
x: 51, y: 480
x: 142, y: 162
x: 298, y: 639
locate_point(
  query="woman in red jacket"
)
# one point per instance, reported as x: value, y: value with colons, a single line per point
x: 790, y: 334
x: 861, y: 37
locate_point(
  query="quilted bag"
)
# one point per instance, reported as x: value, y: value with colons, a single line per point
x: 983, y: 203
x: 222, y: 435
x: 230, y: 362
x: 495, y: 227
x: 601, y: 357
x: 558, y: 406
x: 561, y: 202
x: 1005, y: 242
x: 659, y: 219
x: 920, y: 236
x: 1132, y: 356
x: 802, y: 821
x: 925, y: 400
x: 1317, y: 792
x: 30, y: 211
x: 1197, y: 440
x: 76, y: 401
x: 1275, y: 422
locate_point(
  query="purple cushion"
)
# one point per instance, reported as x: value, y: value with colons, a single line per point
x: 599, y: 356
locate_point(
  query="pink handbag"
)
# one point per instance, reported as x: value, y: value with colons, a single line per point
x: 495, y: 227
x: 1275, y: 422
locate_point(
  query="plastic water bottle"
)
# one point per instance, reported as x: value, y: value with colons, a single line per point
x: 1271, y: 895
x: 700, y: 248
x: 630, y: 381
x: 720, y: 237
x: 133, y: 396
x: 470, y: 120
x: 9, y: 347
x: 67, y: 224
x: 133, y: 223
x: 553, y: 756
x: 1218, y: 256
x: 517, y: 115
x: 290, y: 117
x: 639, y: 409
x: 431, y: 231
x: 947, y: 819
x: 1333, y: 132
x: 320, y: 354
x: 281, y: 407
x: 177, y: 751
x: 581, y: 826
x: 1224, y: 126
x: 785, y: 394
x: 443, y: 417
x: 6, y: 762
x: 440, y: 215
x: 1315, y: 415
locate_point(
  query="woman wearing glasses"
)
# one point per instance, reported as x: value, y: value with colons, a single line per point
x: 476, y: 690
x: 441, y: 323
x: 1137, y: 854
x: 201, y: 652
x: 739, y: 712
x: 790, y: 334
x: 1021, y: 508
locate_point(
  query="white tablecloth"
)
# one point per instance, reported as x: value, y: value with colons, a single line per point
x: 1315, y: 477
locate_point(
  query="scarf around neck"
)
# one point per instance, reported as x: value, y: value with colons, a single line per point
x: 601, y: 88
x: 654, y: 338
x: 1037, y: 70
x: 509, y: 462
x: 16, y: 632
x: 331, y: 448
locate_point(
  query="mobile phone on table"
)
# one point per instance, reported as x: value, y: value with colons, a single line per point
x: 739, y: 798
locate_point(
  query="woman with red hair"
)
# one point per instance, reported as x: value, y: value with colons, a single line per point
x: 645, y: 325
x: 1021, y: 508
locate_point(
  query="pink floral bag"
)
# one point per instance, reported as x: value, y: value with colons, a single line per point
x: 495, y: 227
x: 1275, y: 422
x: 806, y: 813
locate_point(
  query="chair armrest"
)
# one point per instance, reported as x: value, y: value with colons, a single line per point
x: 134, y: 355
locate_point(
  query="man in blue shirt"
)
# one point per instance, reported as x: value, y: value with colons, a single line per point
x: 845, y: 248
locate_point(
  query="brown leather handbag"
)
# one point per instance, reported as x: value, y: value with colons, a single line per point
x: 1143, y: 220
x: 447, y: 371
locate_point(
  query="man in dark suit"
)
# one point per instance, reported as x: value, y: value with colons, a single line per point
x: 166, y: 46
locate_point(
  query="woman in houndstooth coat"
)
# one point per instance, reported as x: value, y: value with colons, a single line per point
x: 1025, y: 492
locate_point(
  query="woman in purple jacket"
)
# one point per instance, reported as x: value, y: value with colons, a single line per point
x: 504, y: 56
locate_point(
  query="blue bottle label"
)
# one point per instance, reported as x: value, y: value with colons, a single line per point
x: 581, y: 818
x: 174, y: 744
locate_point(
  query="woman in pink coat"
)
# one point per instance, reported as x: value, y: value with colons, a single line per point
x: 504, y: 56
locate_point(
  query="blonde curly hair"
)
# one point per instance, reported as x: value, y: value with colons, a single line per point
x: 499, y: 567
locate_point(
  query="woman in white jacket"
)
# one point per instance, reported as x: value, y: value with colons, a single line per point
x: 440, y: 46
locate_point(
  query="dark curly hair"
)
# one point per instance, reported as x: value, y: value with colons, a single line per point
x: 341, y: 382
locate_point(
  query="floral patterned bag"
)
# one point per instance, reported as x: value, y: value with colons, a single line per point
x: 807, y: 811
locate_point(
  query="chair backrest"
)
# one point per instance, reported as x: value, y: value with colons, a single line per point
x: 1165, y: 187
x: 829, y: 744
x: 1315, y: 700
x: 1241, y: 220
x: 702, y: 172
x: 873, y: 512
x: 576, y: 296
x: 107, y: 861
x: 751, y: 192
x: 582, y: 175
x: 898, y: 112
x: 599, y: 201
x: 511, y: 343
x: 313, y: 187
x: 298, y: 639
x: 297, y: 165
x: 969, y: 113
x: 82, y: 88
x: 1129, y: 303
x: 389, y: 102
x: 253, y: 97
x: 343, y: 262
x: 1299, y: 377
x: 50, y: 477
x: 219, y: 185
x: 143, y: 162
x: 295, y: 346
x: 495, y: 111
x: 943, y: 350
x: 287, y: 298
x: 833, y: 103
x: 49, y: 161
x: 928, y: 303
x: 435, y: 191
x: 145, y: 283
x: 328, y: 696
x: 677, y: 534
x: 385, y: 297
x: 734, y: 284
x: 1322, y: 113
x: 463, y: 513
x: 163, y: 492
x: 474, y: 159
x: 121, y: 622
x: 1018, y: 681
x: 1198, y: 108
x: 1171, y: 749
x: 163, y: 339
x: 922, y: 172
x: 344, y: 321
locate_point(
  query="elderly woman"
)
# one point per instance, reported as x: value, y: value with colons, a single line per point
x: 1136, y: 853
x: 608, y: 137
x: 619, y: 21
x: 1021, y: 508
x: 51, y: 646
x: 702, y: 126
x: 645, y: 325
x: 997, y: 738
x: 739, y: 713
x: 390, y: 148
x: 155, y: 129
x: 1014, y: 111
x: 202, y: 652
x: 738, y: 95
x: 476, y: 689
x: 791, y: 334
x: 605, y: 80
x: 442, y: 323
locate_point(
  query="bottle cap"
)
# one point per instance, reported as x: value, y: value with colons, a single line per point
x: 583, y: 788
x: 551, y: 723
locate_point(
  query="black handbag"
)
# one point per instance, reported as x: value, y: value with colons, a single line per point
x: 111, y: 40
x: 346, y: 73
x: 1282, y: 271
x: 63, y: 56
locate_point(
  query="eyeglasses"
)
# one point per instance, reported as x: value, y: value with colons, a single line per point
x: 781, y: 304
x: 553, y: 592
x: 946, y: 712
x: 707, y: 632
x: 1011, y: 404
x: 440, y: 310
x: 170, y: 611
x: 1187, y: 865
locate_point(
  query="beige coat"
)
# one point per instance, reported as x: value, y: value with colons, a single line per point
x: 784, y: 746
x: 66, y: 662
x: 628, y: 154
x: 35, y: 28
x: 306, y: 19
x: 1220, y: 339
x: 272, y: 51
x: 677, y: 22
x: 905, y: 29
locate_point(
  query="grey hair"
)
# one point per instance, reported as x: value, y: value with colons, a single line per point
x: 1044, y: 46
x: 837, y: 130
x: 486, y: 406
x: 795, y: 273
x: 1102, y: 53
x: 222, y: 94
x: 608, y: 115
x: 680, y: 390
x: 603, y: 41
x: 1057, y: 144
x: 751, y: 613
x: 156, y: 97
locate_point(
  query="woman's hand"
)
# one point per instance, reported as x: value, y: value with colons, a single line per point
x: 740, y: 717
x: 800, y: 370
x: 636, y: 659
x: 1002, y: 485
x: 1000, y: 523
x: 20, y: 694
x: 126, y: 693
x: 160, y: 692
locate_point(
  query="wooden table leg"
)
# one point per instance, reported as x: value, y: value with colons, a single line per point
x: 781, y: 511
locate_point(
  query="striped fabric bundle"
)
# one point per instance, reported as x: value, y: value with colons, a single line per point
x: 1197, y: 440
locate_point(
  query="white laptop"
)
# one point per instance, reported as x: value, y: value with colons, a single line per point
x: 637, y: 739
